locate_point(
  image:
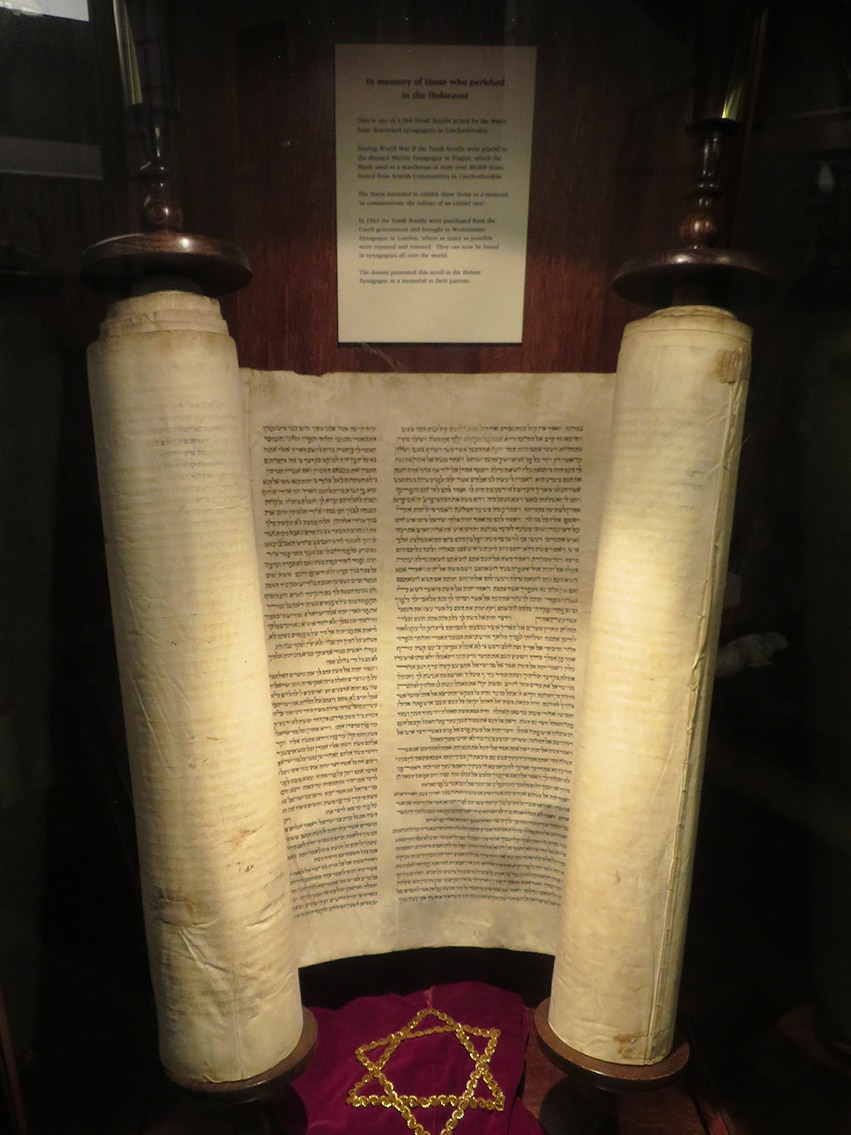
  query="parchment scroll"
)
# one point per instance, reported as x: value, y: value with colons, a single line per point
x: 176, y: 502
x: 192, y: 651
x: 679, y: 402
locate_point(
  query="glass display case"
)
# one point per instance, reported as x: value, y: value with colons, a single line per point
x: 765, y: 999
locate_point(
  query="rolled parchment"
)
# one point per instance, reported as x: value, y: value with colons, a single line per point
x: 174, y: 478
x: 679, y: 403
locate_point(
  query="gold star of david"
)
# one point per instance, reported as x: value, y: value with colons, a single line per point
x: 375, y: 1054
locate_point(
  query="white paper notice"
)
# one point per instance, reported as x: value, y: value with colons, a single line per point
x: 433, y: 153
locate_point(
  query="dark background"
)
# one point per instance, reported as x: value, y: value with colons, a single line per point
x: 611, y: 164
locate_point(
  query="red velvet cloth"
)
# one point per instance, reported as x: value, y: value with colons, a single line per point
x: 382, y: 1064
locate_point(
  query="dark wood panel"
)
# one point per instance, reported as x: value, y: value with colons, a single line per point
x: 604, y: 71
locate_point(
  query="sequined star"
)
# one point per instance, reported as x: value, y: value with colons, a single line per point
x: 374, y: 1056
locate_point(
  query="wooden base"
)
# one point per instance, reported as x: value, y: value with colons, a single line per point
x: 122, y: 264
x: 262, y: 1086
x: 717, y: 276
x: 609, y: 1077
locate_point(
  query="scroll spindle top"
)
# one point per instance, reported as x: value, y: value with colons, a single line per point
x: 702, y: 271
x: 161, y: 257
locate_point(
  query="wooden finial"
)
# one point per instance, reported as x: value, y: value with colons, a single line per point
x: 702, y: 270
x: 701, y: 227
x: 161, y: 208
x: 161, y: 255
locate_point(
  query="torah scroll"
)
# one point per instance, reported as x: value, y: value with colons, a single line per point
x: 679, y: 403
x: 173, y: 470
x: 427, y: 547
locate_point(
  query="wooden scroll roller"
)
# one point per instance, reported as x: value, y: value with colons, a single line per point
x: 173, y: 471
x: 681, y: 388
